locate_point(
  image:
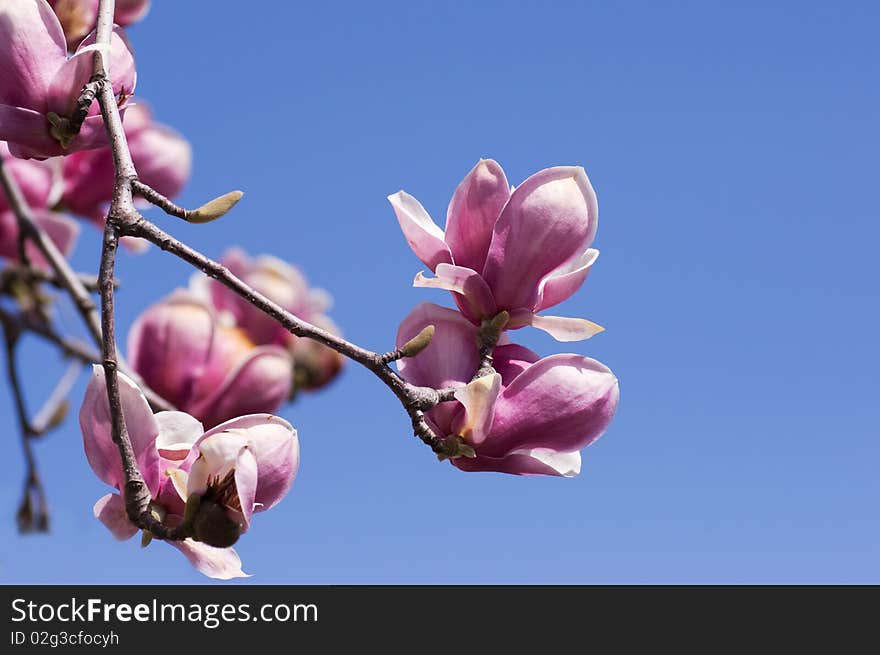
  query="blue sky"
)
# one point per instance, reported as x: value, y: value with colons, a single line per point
x: 733, y: 148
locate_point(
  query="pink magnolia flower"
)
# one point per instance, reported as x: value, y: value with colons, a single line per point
x: 520, y: 250
x: 162, y: 157
x: 243, y: 466
x: 40, y: 85
x: 531, y: 417
x: 210, y: 370
x: 315, y: 364
x: 36, y: 180
x: 78, y: 17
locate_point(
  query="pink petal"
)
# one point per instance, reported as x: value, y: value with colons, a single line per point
x: 75, y: 73
x: 246, y: 481
x: 218, y: 563
x: 35, y: 179
x: 450, y: 359
x: 178, y: 431
x: 260, y: 383
x: 472, y: 213
x: 88, y: 181
x: 538, y: 461
x: 563, y: 282
x: 170, y: 345
x: 562, y: 402
x: 478, y: 398
x: 130, y: 11
x: 561, y: 328
x: 32, y: 50
x: 512, y: 359
x: 468, y: 284
x: 422, y: 234
x: 163, y: 159
x: 94, y: 420
x: 61, y: 229
x: 550, y: 219
x: 110, y: 510
x: 274, y: 445
x: 27, y: 133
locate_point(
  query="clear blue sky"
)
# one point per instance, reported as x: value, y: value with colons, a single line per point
x: 733, y: 147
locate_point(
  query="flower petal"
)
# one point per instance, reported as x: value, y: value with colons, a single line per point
x: 512, y: 359
x: 246, y: 480
x: 472, y: 213
x: 273, y: 443
x: 76, y: 71
x: 538, y: 461
x: 178, y: 431
x: 468, y: 284
x: 26, y: 132
x: 564, y: 281
x: 110, y: 510
x: 550, y: 219
x: 218, y: 563
x: 32, y: 49
x: 450, y: 359
x: 170, y: 344
x: 562, y: 403
x: 478, y: 398
x: 260, y: 383
x: 94, y: 419
x: 421, y: 232
x: 563, y: 328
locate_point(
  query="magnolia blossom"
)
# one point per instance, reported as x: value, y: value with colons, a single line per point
x: 521, y: 250
x: 40, y: 85
x: 78, y: 17
x: 210, y: 370
x: 243, y: 466
x: 36, y: 180
x: 315, y: 363
x: 531, y: 417
x: 162, y: 157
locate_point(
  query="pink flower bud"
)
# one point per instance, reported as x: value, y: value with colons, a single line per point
x: 243, y: 466
x: 212, y: 371
x: 40, y: 85
x: 531, y: 417
x: 162, y: 157
x: 519, y: 250
x: 315, y: 364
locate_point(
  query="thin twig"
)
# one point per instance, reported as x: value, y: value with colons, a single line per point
x: 55, y: 407
x: 83, y: 352
x: 33, y: 486
x: 33, y: 274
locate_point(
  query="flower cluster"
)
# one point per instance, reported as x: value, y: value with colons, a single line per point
x: 39, y: 90
x: 507, y: 254
x: 213, y: 482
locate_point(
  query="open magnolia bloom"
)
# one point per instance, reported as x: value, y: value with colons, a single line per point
x: 40, y: 85
x: 204, y: 367
x: 243, y: 466
x: 531, y: 417
x: 37, y: 182
x: 520, y: 250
